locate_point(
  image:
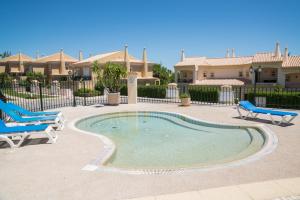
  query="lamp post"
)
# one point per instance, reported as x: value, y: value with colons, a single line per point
x: 256, y: 72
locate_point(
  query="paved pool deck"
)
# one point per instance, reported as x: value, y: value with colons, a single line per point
x: 54, y: 171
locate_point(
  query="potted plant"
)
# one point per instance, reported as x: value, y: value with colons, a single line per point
x: 110, y: 77
x: 185, y: 99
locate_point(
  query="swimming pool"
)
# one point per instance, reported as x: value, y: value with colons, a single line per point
x: 161, y: 140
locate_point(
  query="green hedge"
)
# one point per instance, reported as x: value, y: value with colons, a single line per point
x: 151, y: 91
x: 86, y: 92
x: 278, y: 99
x: 123, y: 90
x: 204, y: 94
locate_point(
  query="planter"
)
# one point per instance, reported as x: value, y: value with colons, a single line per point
x: 113, y: 98
x: 186, y: 101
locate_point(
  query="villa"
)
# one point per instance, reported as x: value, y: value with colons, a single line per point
x: 232, y: 70
x: 53, y: 66
x: 143, y: 68
x: 15, y: 64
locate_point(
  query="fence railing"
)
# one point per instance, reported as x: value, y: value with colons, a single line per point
x: 37, y: 96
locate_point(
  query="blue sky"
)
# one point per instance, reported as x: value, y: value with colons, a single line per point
x: 164, y: 27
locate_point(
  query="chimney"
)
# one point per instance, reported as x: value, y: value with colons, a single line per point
x: 80, y: 56
x: 182, y: 55
x: 145, y: 62
x: 286, y: 53
x: 126, y: 58
x: 62, y: 68
x: 277, y: 50
x: 37, y: 55
x: 21, y: 64
x: 233, y: 53
x: 227, y: 53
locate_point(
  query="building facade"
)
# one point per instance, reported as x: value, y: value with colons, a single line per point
x: 143, y: 68
x: 53, y: 66
x: 276, y: 68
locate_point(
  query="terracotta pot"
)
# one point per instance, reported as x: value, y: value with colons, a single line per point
x: 186, y: 101
x: 113, y: 99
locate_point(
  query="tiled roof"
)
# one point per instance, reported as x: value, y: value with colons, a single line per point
x: 292, y: 61
x: 216, y: 61
x: 55, y: 58
x: 96, y: 57
x: 192, y: 61
x: 266, y: 58
x: 115, y: 56
x: 219, y: 82
x: 229, y: 61
x: 15, y: 58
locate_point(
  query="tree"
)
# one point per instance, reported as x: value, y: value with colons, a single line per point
x: 110, y: 76
x: 164, y: 74
x: 5, y: 54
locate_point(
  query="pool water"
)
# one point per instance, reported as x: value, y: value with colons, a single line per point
x: 158, y: 140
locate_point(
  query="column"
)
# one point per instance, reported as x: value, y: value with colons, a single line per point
x: 195, y: 74
x: 280, y: 77
x: 132, y: 87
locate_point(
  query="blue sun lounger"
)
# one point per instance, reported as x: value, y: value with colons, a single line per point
x: 25, y: 112
x: 253, y: 111
x: 18, y: 119
x: 8, y: 133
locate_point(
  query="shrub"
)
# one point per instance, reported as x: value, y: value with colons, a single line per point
x: 86, y: 92
x: 204, y: 93
x: 99, y: 87
x: 184, y: 95
x: 152, y: 91
x: 277, y: 99
x: 123, y: 90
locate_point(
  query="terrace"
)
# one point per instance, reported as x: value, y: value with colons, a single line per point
x: 56, y: 171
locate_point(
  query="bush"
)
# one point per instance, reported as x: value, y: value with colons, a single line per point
x: 86, y: 92
x: 204, y: 93
x: 184, y: 95
x: 123, y: 90
x: 100, y: 88
x: 152, y: 91
x: 277, y: 99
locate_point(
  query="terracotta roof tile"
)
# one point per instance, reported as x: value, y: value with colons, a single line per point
x: 15, y: 58
x: 291, y: 61
x: 55, y: 58
x: 266, y: 58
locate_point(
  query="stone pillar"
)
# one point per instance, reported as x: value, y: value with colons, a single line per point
x: 195, y: 74
x: 132, y: 87
x: 280, y: 77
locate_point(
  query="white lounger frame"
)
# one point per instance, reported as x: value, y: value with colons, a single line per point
x: 49, y: 132
x: 58, y: 123
x: 284, y: 119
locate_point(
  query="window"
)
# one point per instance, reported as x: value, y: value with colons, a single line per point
x: 204, y: 75
x: 240, y: 74
x: 273, y: 73
x: 212, y: 75
x: 247, y: 74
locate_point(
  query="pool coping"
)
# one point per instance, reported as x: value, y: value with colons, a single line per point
x: 109, y: 148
